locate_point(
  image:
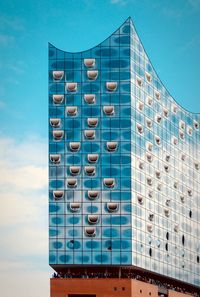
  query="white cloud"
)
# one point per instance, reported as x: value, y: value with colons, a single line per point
x: 2, y: 104
x: 13, y: 23
x: 6, y: 39
x: 194, y: 4
x: 121, y: 2
x: 23, y: 217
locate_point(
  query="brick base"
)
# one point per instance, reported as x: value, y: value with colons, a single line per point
x: 106, y: 287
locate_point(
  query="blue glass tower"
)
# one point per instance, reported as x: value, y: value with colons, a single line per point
x: 124, y: 169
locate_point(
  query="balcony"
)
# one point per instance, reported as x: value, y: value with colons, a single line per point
x: 112, y: 207
x: 58, y: 75
x: 55, y: 158
x: 90, y: 98
x: 93, y: 195
x: 92, y: 158
x: 58, y: 99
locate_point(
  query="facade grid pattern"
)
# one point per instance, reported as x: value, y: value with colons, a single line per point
x: 146, y: 173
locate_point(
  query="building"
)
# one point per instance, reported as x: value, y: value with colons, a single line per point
x: 124, y: 175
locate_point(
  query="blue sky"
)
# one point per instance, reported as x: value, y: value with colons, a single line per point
x: 170, y: 33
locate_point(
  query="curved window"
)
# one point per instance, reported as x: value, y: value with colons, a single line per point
x: 189, y: 130
x: 148, y: 77
x: 111, y: 86
x: 149, y: 227
x: 111, y: 146
x: 149, y: 181
x: 90, y: 134
x: 92, y: 122
x: 149, y: 157
x: 90, y: 98
x: 93, y: 219
x: 90, y: 170
x: 167, y: 212
x: 174, y: 108
x: 158, y: 118
x: 149, y: 100
x: 183, y: 240
x: 140, y: 199
x: 75, y: 170
x: 55, y: 122
x: 58, y: 134
x: 58, y: 99
x: 182, y: 197
x: 93, y: 195
x: 165, y: 112
x: 149, y: 146
x: 196, y: 125
x: 71, y: 87
x: 159, y: 187
x: 150, y: 194
x: 92, y: 158
x: 139, y: 81
x: 140, y: 105
x: 71, y: 110
x: 198, y: 259
x: 109, y: 182
x: 58, y: 75
x: 157, y: 140
x: 181, y: 135
x: 182, y: 125
x: 58, y: 195
x: 167, y: 235
x: 75, y: 206
x: 183, y: 157
x: 174, y: 140
x: 149, y: 123
x: 151, y: 217
x: 158, y: 174
x: 72, y: 183
x: 109, y: 110
x: 139, y: 128
x: 74, y: 146
x: 141, y: 165
x: 55, y: 158
x: 112, y: 207
x: 92, y: 74
x: 90, y: 232
x: 176, y: 228
x: 166, y: 167
x: 89, y: 63
x: 157, y: 95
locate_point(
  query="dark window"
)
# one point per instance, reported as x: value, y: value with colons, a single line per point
x: 166, y: 246
x: 150, y: 293
x: 190, y: 213
x: 115, y: 288
x: 167, y: 235
x: 197, y: 259
x: 150, y: 252
x: 183, y: 239
x: 140, y: 291
x: 123, y: 289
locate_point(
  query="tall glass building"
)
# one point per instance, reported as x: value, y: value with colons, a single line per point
x: 124, y: 166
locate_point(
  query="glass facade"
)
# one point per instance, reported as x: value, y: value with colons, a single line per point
x: 124, y: 171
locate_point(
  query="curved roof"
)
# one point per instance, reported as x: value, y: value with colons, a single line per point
x: 126, y: 28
